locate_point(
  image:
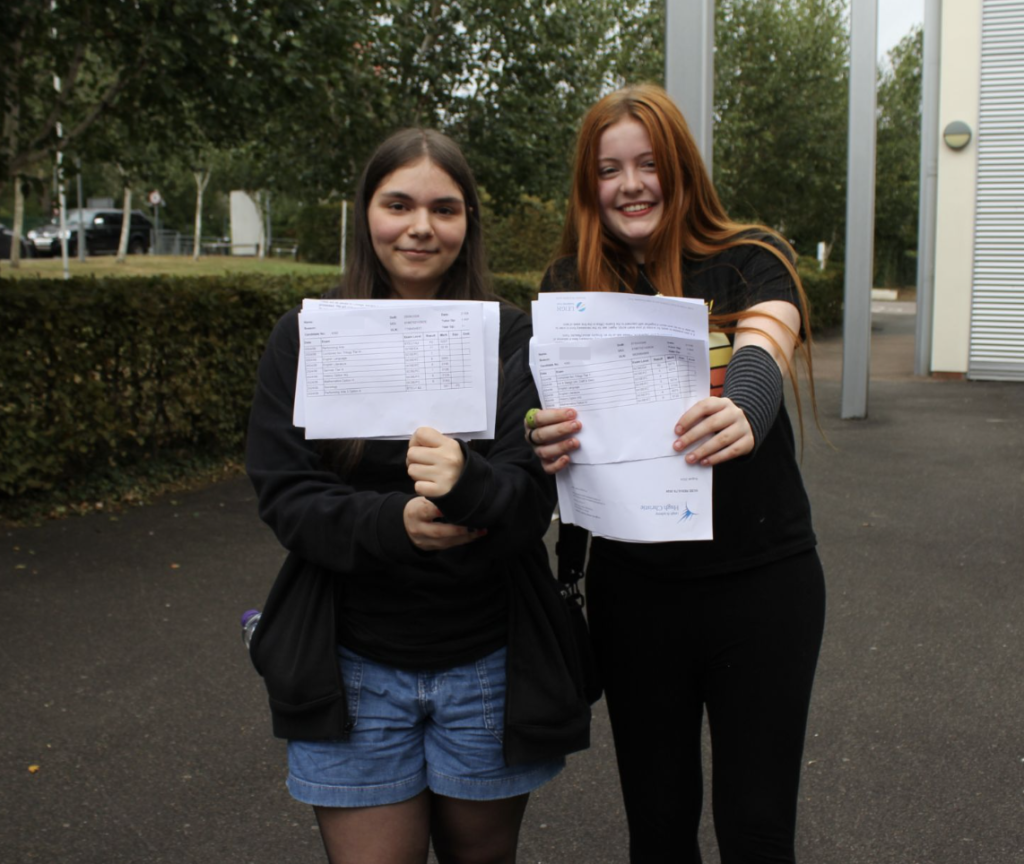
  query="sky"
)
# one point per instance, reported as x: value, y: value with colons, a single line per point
x: 895, y: 18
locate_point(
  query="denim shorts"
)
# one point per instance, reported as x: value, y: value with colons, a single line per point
x: 412, y: 731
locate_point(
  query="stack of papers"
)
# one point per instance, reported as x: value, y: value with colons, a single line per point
x: 630, y: 365
x: 383, y: 368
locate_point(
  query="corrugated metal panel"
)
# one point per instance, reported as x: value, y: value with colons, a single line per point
x: 997, y: 302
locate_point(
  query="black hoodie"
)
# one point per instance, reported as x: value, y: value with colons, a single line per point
x: 333, y: 529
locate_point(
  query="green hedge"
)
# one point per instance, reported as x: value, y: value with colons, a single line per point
x: 97, y: 375
x: 824, y: 293
x: 524, y: 239
x: 520, y: 289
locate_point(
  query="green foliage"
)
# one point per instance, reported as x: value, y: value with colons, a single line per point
x: 781, y: 96
x: 524, y: 238
x: 824, y: 289
x: 99, y: 375
x: 318, y: 231
x: 898, y: 163
x: 519, y: 289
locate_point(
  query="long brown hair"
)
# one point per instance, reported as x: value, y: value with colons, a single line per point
x: 693, y: 225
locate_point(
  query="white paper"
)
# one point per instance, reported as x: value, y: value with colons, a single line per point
x: 650, y: 501
x: 492, y: 328
x: 628, y: 392
x: 382, y: 370
x: 582, y: 316
x: 630, y: 365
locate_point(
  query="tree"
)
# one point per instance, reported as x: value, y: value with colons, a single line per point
x: 899, y: 161
x: 197, y: 64
x: 507, y: 78
x: 781, y: 96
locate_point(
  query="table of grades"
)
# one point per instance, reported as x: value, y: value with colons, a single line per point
x: 419, y: 353
x: 636, y: 377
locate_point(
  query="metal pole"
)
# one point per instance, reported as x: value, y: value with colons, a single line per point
x: 690, y: 66
x: 270, y: 235
x: 61, y: 197
x: 860, y: 210
x: 81, y: 225
x: 928, y: 200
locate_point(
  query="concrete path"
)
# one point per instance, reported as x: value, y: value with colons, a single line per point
x: 134, y: 730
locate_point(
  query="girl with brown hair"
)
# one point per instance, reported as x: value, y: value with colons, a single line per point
x: 415, y: 647
x: 732, y: 625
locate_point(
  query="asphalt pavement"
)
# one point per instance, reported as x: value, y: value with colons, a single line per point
x: 135, y: 731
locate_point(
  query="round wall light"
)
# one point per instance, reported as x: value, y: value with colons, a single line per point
x: 957, y: 135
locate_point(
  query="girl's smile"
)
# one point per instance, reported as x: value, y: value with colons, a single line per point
x: 628, y: 189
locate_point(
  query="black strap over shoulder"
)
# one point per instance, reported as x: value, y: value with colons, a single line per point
x: 571, y: 549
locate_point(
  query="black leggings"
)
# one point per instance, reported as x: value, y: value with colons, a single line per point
x: 745, y: 645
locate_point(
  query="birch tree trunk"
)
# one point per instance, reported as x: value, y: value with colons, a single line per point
x: 126, y: 225
x: 19, y: 222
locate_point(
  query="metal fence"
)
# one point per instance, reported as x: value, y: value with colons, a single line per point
x: 168, y: 242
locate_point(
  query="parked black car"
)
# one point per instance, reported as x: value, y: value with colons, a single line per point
x: 6, y: 242
x: 102, y: 233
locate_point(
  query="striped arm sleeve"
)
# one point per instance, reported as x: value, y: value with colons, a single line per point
x: 753, y: 381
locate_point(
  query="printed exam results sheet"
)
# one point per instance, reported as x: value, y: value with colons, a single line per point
x: 630, y: 365
x: 380, y: 369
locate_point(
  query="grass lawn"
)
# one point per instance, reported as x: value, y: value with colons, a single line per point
x: 159, y: 265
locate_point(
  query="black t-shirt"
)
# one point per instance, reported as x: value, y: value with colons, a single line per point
x: 444, y: 613
x: 760, y: 508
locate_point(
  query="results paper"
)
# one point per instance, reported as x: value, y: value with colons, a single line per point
x: 650, y: 501
x: 383, y: 368
x: 628, y: 392
x: 630, y: 365
x: 582, y: 316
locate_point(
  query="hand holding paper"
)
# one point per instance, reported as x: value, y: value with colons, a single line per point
x: 553, y: 433
x: 434, y: 461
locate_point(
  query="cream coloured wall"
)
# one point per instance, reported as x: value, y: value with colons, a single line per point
x: 959, y: 99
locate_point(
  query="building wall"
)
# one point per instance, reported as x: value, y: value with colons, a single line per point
x: 959, y: 99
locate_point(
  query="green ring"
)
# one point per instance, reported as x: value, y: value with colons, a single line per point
x: 531, y: 418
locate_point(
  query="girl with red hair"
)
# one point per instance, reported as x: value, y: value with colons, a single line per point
x: 733, y: 625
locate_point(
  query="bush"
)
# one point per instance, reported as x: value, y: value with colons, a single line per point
x: 98, y: 375
x: 525, y: 239
x: 824, y: 293
x: 520, y: 289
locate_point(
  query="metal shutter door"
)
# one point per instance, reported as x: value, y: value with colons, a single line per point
x: 997, y: 304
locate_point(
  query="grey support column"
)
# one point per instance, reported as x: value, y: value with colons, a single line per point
x: 690, y: 66
x: 860, y: 210
x: 928, y: 195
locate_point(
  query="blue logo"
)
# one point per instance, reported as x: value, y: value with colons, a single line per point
x: 688, y: 514
x: 581, y: 307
